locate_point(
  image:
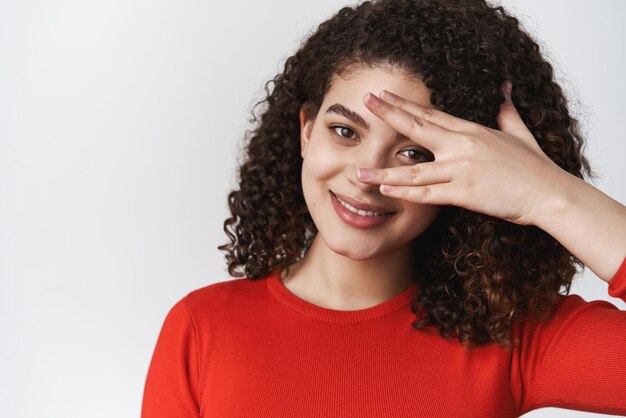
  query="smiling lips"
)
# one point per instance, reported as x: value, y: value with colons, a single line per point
x: 362, y: 206
x: 358, y: 214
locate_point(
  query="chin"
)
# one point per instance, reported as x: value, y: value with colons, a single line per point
x: 358, y: 254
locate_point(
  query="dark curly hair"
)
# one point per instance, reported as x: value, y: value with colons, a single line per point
x: 476, y: 274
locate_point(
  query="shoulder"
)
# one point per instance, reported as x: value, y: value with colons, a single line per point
x: 219, y: 299
x: 225, y: 291
x: 568, y: 307
x: 570, y: 313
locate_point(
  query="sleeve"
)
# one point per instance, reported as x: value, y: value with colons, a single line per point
x: 576, y: 359
x: 171, y: 385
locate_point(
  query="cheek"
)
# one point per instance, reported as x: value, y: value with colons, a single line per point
x: 420, y: 217
x: 319, y: 168
x: 321, y: 162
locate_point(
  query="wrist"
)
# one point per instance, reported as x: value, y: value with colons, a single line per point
x: 555, y: 199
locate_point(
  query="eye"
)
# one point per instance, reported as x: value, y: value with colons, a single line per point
x: 416, y: 154
x: 343, y: 132
x: 346, y: 134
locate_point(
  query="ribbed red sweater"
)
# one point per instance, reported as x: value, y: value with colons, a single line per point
x: 244, y: 348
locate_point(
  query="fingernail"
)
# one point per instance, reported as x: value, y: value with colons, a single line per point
x: 365, y: 173
x: 385, y: 95
x: 508, y: 87
x: 373, y: 100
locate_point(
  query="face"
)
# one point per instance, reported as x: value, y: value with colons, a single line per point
x: 346, y: 136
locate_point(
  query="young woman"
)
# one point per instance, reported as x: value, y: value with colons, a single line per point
x: 405, y: 220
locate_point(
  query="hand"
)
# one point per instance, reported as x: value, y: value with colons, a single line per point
x: 502, y: 173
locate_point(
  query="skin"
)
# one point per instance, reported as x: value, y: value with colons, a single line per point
x: 348, y: 268
x: 503, y: 173
x: 500, y: 172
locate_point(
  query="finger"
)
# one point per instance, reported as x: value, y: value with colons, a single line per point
x: 412, y: 175
x: 428, y: 113
x: 423, y: 132
x: 432, y: 194
x: 510, y: 121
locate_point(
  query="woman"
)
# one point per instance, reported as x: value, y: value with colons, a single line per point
x: 438, y: 296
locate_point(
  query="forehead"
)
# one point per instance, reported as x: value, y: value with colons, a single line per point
x: 351, y: 85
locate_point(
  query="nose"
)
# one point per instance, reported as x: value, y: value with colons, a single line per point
x: 372, y: 159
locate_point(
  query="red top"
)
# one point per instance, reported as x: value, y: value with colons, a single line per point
x: 244, y: 348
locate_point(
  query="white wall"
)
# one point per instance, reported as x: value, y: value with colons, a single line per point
x: 119, y: 127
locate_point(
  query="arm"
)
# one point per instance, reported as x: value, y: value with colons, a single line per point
x: 576, y: 358
x: 503, y: 173
x: 171, y: 385
x: 590, y: 224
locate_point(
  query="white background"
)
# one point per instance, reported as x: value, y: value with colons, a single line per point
x: 120, y: 124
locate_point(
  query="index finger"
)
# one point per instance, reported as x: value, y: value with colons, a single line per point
x: 431, y: 114
x: 420, y: 130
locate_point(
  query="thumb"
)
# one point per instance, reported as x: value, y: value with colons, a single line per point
x: 508, y: 119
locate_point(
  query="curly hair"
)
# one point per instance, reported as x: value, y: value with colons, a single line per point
x: 476, y: 274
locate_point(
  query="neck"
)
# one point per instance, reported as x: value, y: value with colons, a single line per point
x: 334, y: 281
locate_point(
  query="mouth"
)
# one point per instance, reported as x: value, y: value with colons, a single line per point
x: 359, y: 218
x: 361, y: 208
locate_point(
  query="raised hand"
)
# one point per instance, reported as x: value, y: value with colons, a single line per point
x: 502, y: 173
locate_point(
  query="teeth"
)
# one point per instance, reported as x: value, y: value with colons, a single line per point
x: 359, y: 211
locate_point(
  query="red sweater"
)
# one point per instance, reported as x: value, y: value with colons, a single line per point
x: 243, y: 348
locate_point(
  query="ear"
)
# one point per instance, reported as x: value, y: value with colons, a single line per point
x: 307, y: 119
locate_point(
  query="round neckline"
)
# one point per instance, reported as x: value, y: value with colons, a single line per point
x: 284, y: 295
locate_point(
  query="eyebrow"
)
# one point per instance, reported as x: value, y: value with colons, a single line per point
x: 340, y: 109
